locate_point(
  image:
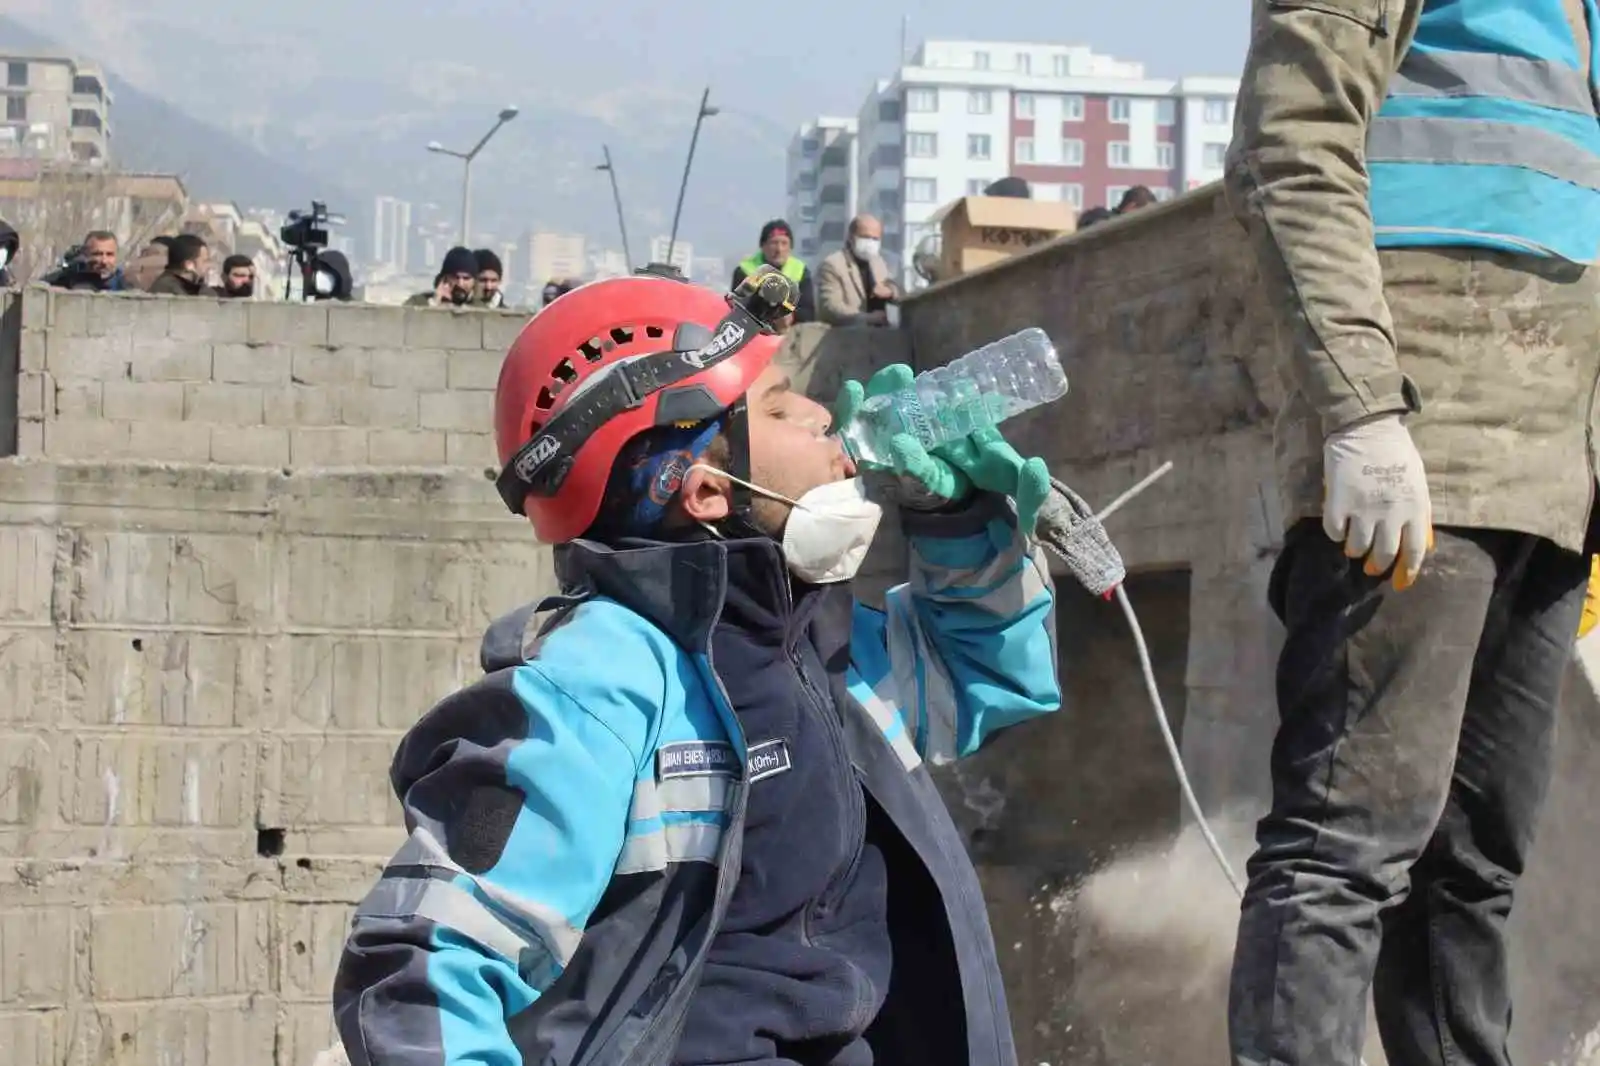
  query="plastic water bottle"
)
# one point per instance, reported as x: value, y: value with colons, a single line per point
x: 982, y: 388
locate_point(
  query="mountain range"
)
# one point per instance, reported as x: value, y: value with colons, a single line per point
x: 301, y: 109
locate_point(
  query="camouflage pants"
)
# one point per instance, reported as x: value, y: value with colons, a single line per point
x: 1411, y: 761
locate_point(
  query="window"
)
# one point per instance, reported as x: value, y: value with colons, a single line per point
x: 1024, y: 63
x: 980, y: 61
x: 888, y: 110
x: 1114, y: 195
x: 1166, y: 112
x: 1166, y: 156
x: 1119, y: 154
x: 1025, y: 105
x: 1022, y: 150
x: 810, y: 145
x: 980, y: 102
x: 978, y: 146
x: 1072, y: 109
x: 16, y: 109
x: 1044, y: 190
x: 922, y: 145
x: 922, y: 191
x: 808, y: 212
x: 1071, y: 153
x: 1121, y: 109
x: 831, y: 233
x: 1061, y: 65
x: 1216, y: 110
x: 1214, y: 156
x: 17, y: 75
x: 1162, y: 192
x: 922, y: 100
x: 1072, y: 194
x: 975, y: 186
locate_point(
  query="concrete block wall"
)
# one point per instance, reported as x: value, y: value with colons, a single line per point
x: 203, y: 673
x: 251, y: 383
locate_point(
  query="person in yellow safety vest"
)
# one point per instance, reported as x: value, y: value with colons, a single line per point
x: 777, y: 247
x: 1591, y: 599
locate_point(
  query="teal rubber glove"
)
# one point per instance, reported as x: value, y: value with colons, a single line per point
x: 983, y: 459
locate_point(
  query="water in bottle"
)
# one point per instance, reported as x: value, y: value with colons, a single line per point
x: 982, y: 388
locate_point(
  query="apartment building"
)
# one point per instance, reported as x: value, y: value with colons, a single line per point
x: 682, y: 252
x: 1079, y: 126
x: 553, y: 255
x: 391, y: 234
x: 56, y: 108
x: 823, y: 171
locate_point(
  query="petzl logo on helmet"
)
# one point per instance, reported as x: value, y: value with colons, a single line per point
x: 528, y: 463
x: 731, y: 334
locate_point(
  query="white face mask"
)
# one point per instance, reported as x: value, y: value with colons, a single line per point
x: 829, y: 530
x: 866, y: 247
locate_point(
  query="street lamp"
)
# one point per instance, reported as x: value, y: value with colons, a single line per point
x: 617, y: 196
x: 706, y: 112
x: 506, y: 115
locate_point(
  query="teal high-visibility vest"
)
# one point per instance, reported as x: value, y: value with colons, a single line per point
x: 1490, y: 134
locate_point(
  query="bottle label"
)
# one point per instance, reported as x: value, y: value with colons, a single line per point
x: 914, y: 417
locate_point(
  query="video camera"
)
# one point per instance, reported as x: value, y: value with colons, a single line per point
x: 76, y: 272
x: 308, y: 232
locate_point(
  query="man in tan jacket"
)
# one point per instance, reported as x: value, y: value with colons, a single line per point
x: 854, y: 287
x: 1421, y: 183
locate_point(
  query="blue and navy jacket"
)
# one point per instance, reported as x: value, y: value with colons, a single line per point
x: 1489, y: 136
x: 578, y: 818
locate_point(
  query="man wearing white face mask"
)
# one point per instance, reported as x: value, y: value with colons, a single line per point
x: 854, y: 287
x: 685, y: 817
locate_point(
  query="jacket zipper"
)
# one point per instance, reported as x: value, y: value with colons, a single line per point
x: 855, y: 806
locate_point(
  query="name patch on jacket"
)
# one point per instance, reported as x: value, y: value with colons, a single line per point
x: 768, y: 758
x: 696, y: 758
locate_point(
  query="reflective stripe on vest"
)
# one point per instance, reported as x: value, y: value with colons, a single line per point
x: 1486, y: 149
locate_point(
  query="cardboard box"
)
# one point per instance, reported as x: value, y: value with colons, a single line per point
x: 979, y: 230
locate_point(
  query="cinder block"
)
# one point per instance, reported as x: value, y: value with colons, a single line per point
x: 131, y: 316
x: 475, y: 370
x: 32, y: 677
x: 366, y: 326
x: 27, y: 573
x: 296, y: 325
x: 421, y: 369
x: 437, y: 327
x: 391, y: 584
x: 70, y: 318
x: 142, y: 678
x: 366, y: 684
x: 214, y: 1032
x: 170, y: 442
x: 142, y: 401
x: 302, y: 405
x: 250, y: 364
x: 36, y: 958
x: 466, y: 412
x: 329, y: 780
x: 209, y: 321
x: 166, y: 360
x: 474, y: 450
x: 132, y: 577
x: 37, y: 304
x: 500, y: 328
x: 313, y: 936
x: 173, y: 952
x: 80, y: 439
x: 29, y: 767
x: 100, y: 358
x: 306, y: 1034
x: 36, y: 1038
x: 406, y: 447
x: 132, y: 779
x: 250, y: 445
x: 36, y: 394
x: 230, y: 405
x: 30, y: 438
x: 331, y: 366
x: 31, y: 349
x: 363, y: 405
x: 331, y: 446
x: 77, y: 399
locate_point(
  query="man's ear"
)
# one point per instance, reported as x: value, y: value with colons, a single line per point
x: 704, y: 496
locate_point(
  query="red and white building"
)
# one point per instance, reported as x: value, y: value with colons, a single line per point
x: 1080, y: 127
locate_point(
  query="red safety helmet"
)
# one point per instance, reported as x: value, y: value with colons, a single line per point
x: 601, y: 365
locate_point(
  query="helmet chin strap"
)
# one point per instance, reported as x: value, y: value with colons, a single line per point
x: 740, y: 523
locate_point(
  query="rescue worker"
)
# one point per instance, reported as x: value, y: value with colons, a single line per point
x: 777, y: 251
x: 686, y: 818
x: 1418, y: 180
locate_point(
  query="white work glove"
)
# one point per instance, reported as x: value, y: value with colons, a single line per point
x: 1377, y: 502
